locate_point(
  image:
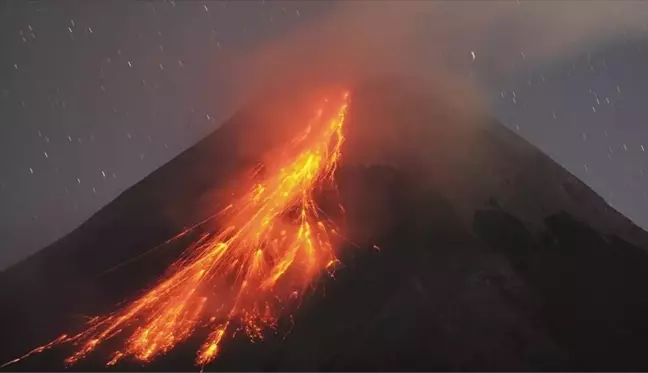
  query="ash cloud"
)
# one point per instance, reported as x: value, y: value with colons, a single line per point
x: 437, y: 44
x: 427, y: 38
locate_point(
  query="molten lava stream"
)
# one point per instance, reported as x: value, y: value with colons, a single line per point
x: 245, y: 274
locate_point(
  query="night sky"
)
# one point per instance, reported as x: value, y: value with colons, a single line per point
x: 96, y: 95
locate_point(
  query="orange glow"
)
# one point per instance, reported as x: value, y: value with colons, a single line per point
x: 275, y: 244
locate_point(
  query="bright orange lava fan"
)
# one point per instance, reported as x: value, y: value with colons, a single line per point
x: 276, y: 242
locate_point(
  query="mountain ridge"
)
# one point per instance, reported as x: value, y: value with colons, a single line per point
x: 487, y: 253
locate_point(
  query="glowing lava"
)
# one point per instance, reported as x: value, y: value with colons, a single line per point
x: 276, y: 242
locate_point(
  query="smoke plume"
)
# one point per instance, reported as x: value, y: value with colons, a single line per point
x: 454, y: 50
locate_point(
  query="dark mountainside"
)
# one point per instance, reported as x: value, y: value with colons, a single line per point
x: 492, y: 257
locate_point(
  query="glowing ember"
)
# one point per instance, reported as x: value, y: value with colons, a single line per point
x: 274, y: 245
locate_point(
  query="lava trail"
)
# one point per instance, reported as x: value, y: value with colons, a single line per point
x: 275, y: 243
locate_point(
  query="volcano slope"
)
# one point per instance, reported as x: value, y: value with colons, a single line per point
x: 471, y: 250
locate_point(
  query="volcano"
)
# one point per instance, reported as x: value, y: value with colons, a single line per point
x: 466, y: 248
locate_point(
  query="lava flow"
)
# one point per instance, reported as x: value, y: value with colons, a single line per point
x: 275, y: 244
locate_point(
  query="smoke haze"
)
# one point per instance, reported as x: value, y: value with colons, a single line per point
x: 442, y: 43
x: 357, y: 39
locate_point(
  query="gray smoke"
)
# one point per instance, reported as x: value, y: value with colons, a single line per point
x: 440, y: 44
x: 427, y: 38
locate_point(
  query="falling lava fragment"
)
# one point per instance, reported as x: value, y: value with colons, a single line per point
x: 242, y: 276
